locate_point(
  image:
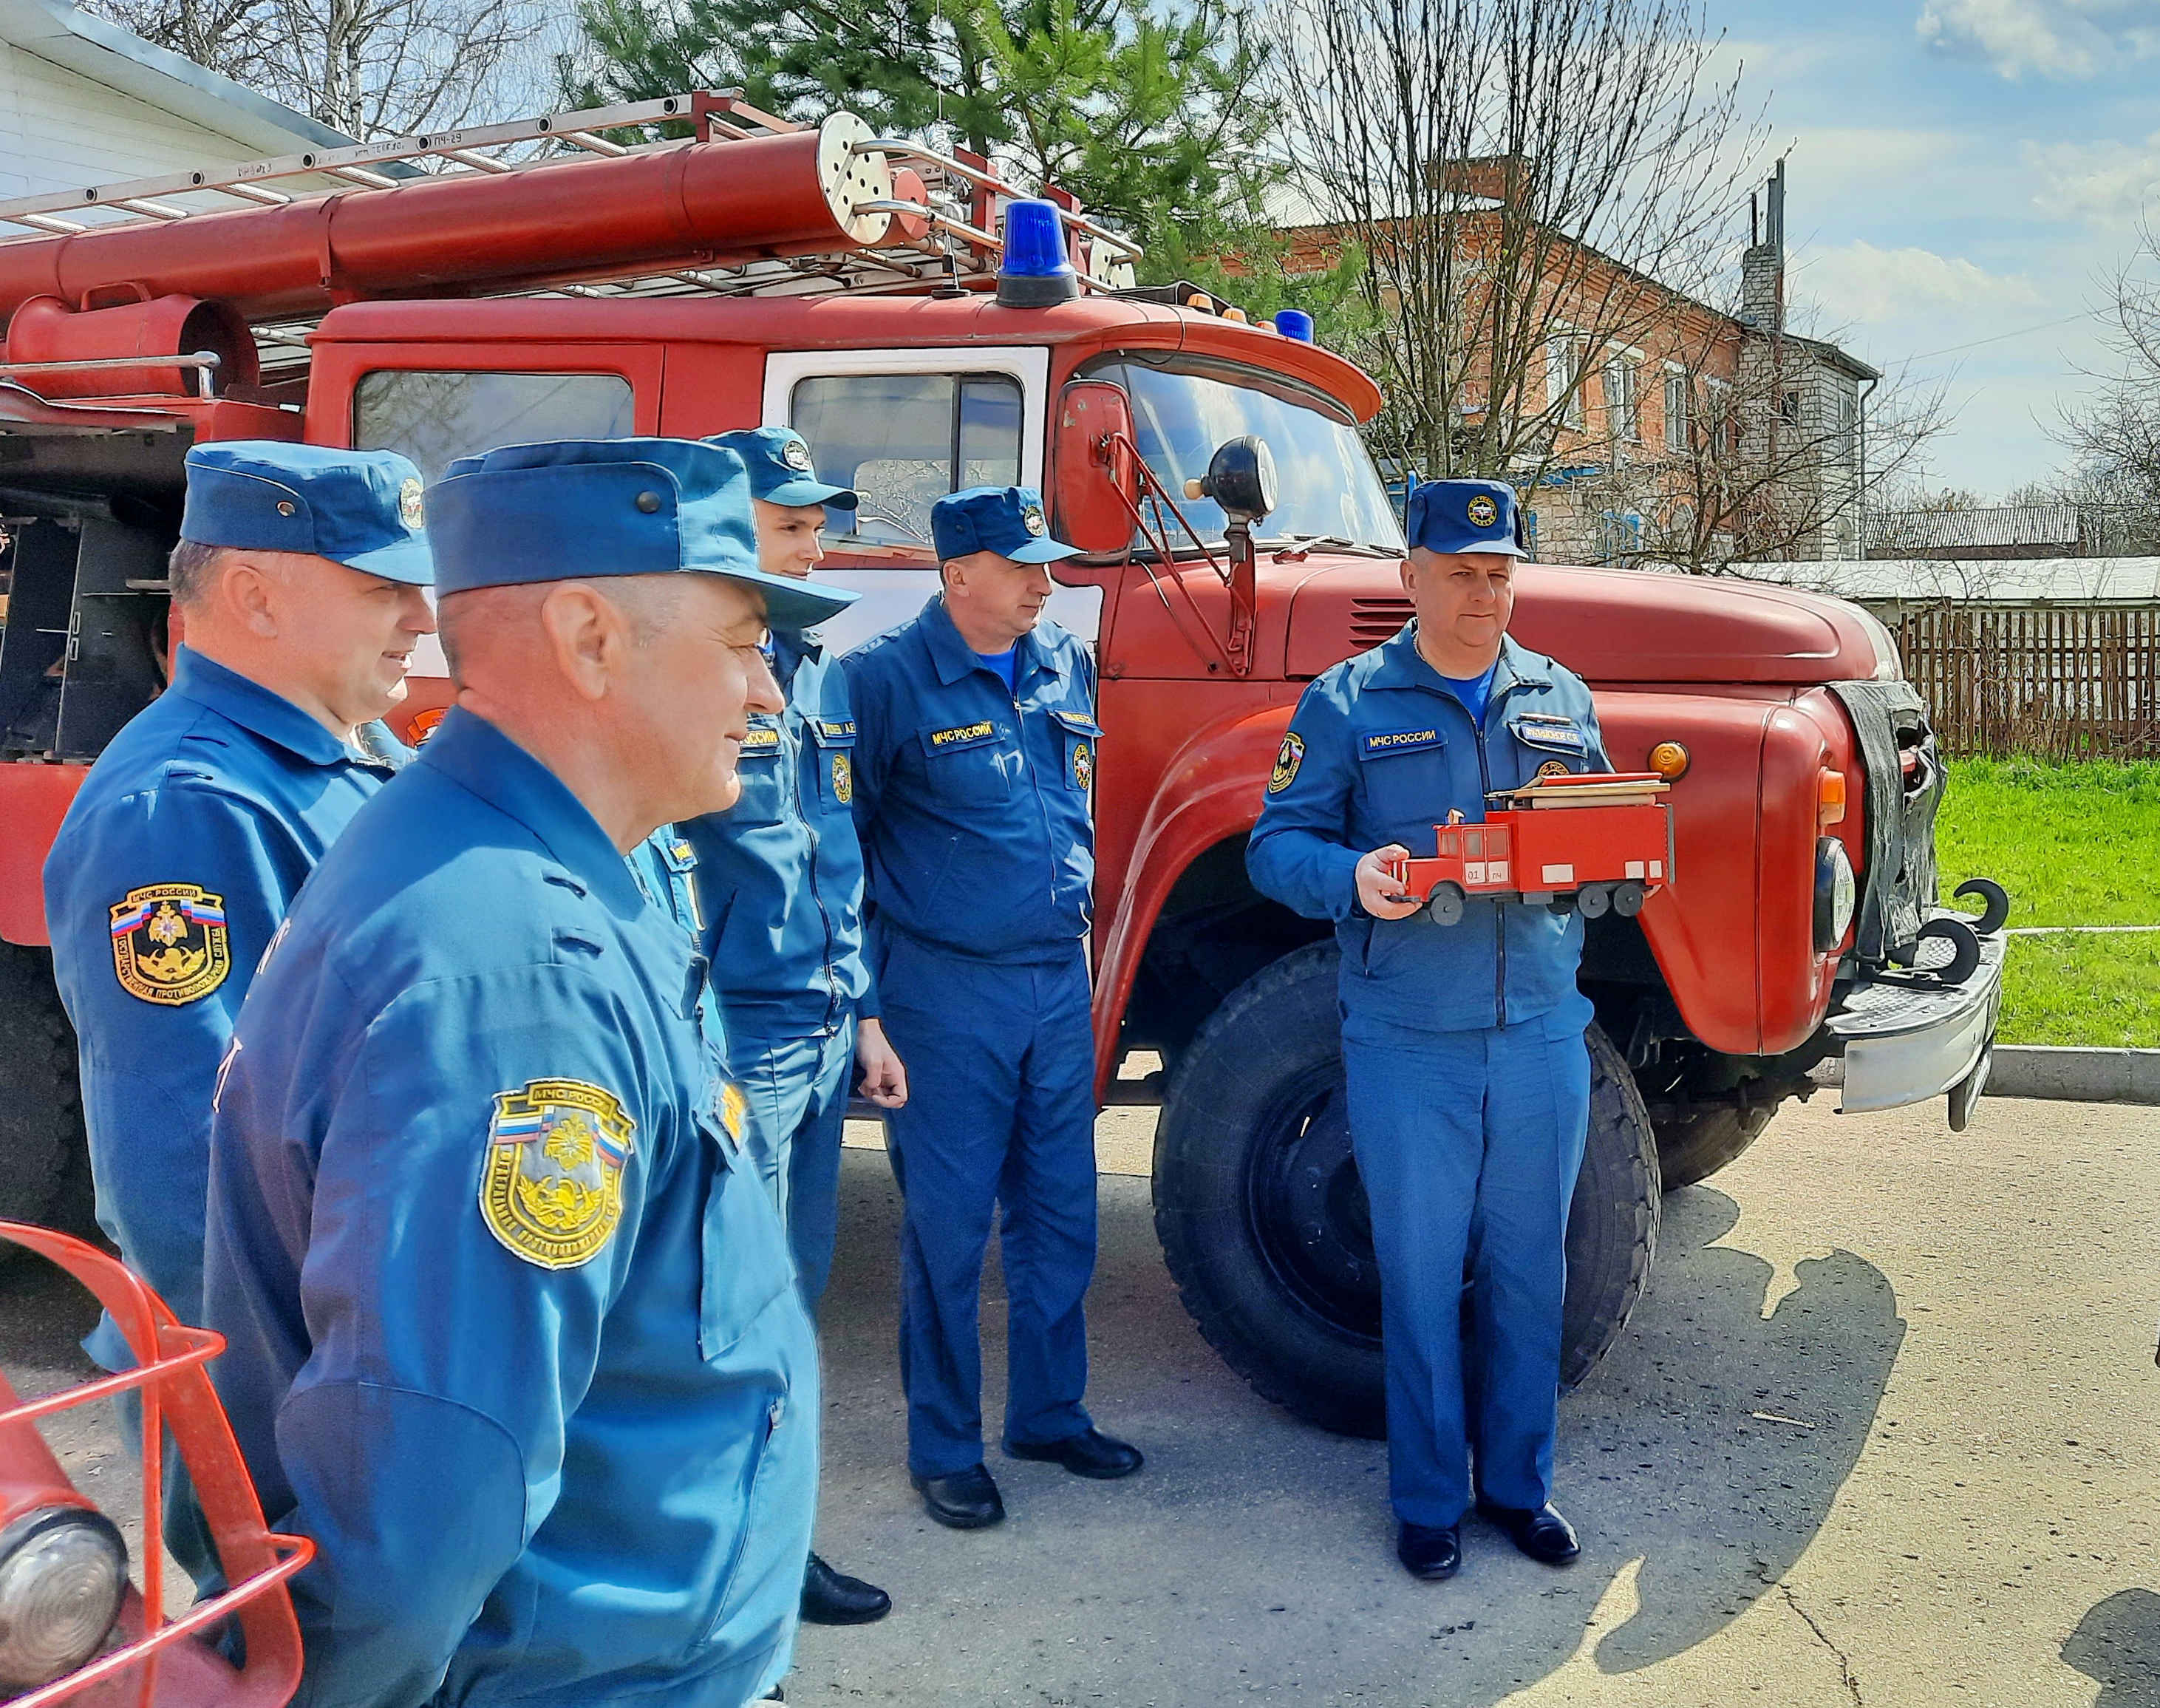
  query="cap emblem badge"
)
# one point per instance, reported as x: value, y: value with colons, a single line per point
x: 1033, y: 518
x: 1483, y: 511
x: 796, y: 456
x: 409, y: 511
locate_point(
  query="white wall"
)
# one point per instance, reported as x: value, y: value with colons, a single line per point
x: 60, y: 130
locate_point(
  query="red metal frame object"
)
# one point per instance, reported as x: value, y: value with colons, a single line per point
x: 1603, y: 838
x: 148, y: 1661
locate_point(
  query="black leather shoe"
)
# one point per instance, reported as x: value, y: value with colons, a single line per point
x: 1542, y: 1534
x: 1091, y: 1453
x: 830, y: 1597
x: 967, y: 1500
x: 1428, y: 1552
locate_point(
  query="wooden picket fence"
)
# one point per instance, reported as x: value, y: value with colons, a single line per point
x: 2044, y: 683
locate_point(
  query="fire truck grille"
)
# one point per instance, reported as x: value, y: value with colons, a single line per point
x: 1372, y: 620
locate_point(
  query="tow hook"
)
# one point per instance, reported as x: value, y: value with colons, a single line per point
x: 1962, y: 935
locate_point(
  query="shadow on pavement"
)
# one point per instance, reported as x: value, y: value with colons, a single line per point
x: 1253, y: 1556
x: 1757, y: 1421
x: 2118, y: 1643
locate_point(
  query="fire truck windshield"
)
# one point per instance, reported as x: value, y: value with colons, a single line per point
x: 1328, y: 487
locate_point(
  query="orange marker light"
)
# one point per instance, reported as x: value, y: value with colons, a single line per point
x: 1669, y: 760
x: 1830, y: 798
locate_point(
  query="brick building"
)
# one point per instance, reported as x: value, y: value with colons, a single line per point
x: 1680, y: 432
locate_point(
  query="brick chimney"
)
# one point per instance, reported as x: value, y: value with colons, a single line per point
x: 1506, y: 179
x: 1763, y: 266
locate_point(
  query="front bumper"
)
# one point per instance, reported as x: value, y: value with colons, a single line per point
x: 1906, y: 1038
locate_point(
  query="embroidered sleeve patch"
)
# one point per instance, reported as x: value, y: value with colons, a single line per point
x: 1083, y: 764
x: 843, y: 778
x: 551, y: 1192
x: 169, y: 944
x: 1287, y: 758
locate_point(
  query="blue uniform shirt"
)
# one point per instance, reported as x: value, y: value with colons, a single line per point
x: 1378, y: 749
x: 971, y: 799
x: 780, y: 870
x: 514, y: 1333
x: 175, y: 863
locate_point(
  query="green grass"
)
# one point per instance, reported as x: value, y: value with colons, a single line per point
x: 2074, y: 845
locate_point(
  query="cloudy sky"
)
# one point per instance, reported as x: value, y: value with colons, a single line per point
x: 1962, y: 174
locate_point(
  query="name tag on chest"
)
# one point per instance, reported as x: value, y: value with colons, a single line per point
x: 1380, y: 744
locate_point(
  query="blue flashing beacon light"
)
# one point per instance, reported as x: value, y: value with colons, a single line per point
x: 1036, y: 272
x: 1295, y: 323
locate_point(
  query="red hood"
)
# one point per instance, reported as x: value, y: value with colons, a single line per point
x: 1612, y: 625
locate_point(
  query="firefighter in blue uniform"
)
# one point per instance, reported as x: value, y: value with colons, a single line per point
x: 298, y: 583
x: 1469, y: 1080
x: 783, y: 874
x: 514, y: 1334
x: 974, y: 761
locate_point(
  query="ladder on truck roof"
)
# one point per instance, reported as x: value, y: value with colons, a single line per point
x: 947, y: 234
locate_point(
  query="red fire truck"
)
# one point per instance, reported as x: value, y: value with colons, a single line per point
x: 564, y: 278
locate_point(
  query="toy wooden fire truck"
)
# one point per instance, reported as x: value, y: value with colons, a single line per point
x: 1597, y: 842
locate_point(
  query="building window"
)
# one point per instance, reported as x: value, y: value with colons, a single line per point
x: 1848, y: 418
x: 1563, y: 358
x: 1619, y: 535
x: 1677, y: 413
x: 1623, y: 403
x: 1788, y: 406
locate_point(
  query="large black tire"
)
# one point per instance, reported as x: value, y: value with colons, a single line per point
x: 1695, y: 1148
x: 43, y: 1152
x: 1264, y: 1222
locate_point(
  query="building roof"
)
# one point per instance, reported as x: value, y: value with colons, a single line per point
x: 1988, y: 580
x: 1952, y: 530
x: 104, y: 53
x: 1830, y: 353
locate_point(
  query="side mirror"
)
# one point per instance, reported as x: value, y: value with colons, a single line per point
x: 1092, y: 478
x: 1240, y: 478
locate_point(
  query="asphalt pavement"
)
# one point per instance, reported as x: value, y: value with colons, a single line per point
x: 1882, y: 1432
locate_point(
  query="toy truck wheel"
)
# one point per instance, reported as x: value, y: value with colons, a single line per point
x: 1263, y: 1217
x: 1627, y: 898
x: 43, y: 1160
x: 1444, y: 906
x: 1592, y: 900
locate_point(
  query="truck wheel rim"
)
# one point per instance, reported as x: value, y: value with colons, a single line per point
x: 1307, y: 1211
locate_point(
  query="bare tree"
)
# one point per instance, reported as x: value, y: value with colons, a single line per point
x: 1783, y: 454
x: 2114, y: 436
x: 1535, y: 184
x: 369, y: 67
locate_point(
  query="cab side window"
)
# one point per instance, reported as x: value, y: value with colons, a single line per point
x: 903, y: 441
x: 436, y: 416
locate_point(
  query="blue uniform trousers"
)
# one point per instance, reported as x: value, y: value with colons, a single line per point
x: 1000, y: 1115
x: 797, y: 1090
x: 1469, y: 1143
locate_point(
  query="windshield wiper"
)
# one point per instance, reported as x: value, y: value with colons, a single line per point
x: 1335, y: 541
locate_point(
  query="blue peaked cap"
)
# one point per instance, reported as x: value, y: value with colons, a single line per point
x: 781, y: 471
x: 1465, y: 516
x: 362, y: 509
x: 1007, y: 520
x: 578, y: 510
